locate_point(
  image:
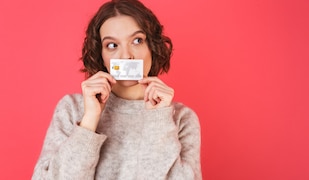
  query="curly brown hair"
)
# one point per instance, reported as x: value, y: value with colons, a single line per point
x: 160, y: 45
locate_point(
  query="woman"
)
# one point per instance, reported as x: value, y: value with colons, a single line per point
x: 122, y: 129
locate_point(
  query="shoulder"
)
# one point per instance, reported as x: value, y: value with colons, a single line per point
x: 67, y: 113
x: 184, y: 115
x: 70, y: 103
x: 71, y: 99
x: 183, y: 110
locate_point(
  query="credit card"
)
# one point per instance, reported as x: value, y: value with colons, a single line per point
x: 126, y: 69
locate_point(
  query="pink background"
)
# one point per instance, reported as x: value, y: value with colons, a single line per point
x: 241, y: 65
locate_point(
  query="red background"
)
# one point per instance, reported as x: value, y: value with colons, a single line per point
x: 241, y: 65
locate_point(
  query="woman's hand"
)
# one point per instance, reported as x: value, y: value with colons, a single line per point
x: 96, y: 91
x: 157, y: 93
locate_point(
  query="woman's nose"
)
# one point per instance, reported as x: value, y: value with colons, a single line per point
x: 126, y: 53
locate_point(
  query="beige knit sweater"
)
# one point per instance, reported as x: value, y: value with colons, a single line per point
x: 131, y: 143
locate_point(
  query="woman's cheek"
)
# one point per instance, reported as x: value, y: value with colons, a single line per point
x: 106, y: 60
x: 147, y: 67
x: 107, y: 65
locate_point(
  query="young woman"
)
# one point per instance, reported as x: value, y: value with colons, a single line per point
x: 122, y: 129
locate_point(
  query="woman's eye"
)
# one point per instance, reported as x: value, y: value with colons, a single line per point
x: 137, y: 41
x: 111, y: 45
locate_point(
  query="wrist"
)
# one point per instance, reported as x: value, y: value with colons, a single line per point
x: 89, y: 122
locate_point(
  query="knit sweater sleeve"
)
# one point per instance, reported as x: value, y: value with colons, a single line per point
x: 171, y: 144
x: 69, y: 151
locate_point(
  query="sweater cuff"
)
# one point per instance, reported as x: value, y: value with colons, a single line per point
x: 87, y: 140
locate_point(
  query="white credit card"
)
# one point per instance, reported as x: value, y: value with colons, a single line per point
x: 126, y: 69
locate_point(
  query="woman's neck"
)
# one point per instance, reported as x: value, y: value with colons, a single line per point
x: 135, y: 92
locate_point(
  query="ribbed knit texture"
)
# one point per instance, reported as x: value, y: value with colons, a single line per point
x: 131, y: 143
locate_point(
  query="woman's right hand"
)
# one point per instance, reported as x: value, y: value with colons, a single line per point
x: 96, y: 91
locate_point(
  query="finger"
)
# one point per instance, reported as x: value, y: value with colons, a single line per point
x: 98, y: 82
x: 148, y: 80
x: 102, y: 98
x: 156, y: 98
x: 156, y: 86
x: 148, y: 95
x: 152, y: 81
x: 93, y: 90
x: 151, y: 94
x: 102, y: 74
x: 159, y: 95
x: 101, y: 92
x: 100, y: 78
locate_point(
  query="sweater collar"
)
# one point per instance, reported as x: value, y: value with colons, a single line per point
x: 117, y: 104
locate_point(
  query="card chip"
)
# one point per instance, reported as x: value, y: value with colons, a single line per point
x: 116, y: 67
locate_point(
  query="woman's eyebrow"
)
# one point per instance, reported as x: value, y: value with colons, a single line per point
x: 138, y: 32
x: 133, y: 34
x: 107, y: 37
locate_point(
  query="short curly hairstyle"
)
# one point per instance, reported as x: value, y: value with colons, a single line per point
x: 161, y: 46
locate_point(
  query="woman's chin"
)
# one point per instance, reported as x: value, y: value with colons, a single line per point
x: 127, y: 83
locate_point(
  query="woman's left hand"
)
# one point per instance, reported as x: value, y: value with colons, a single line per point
x: 157, y: 93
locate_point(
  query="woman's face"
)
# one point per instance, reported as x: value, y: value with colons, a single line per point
x: 122, y: 38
